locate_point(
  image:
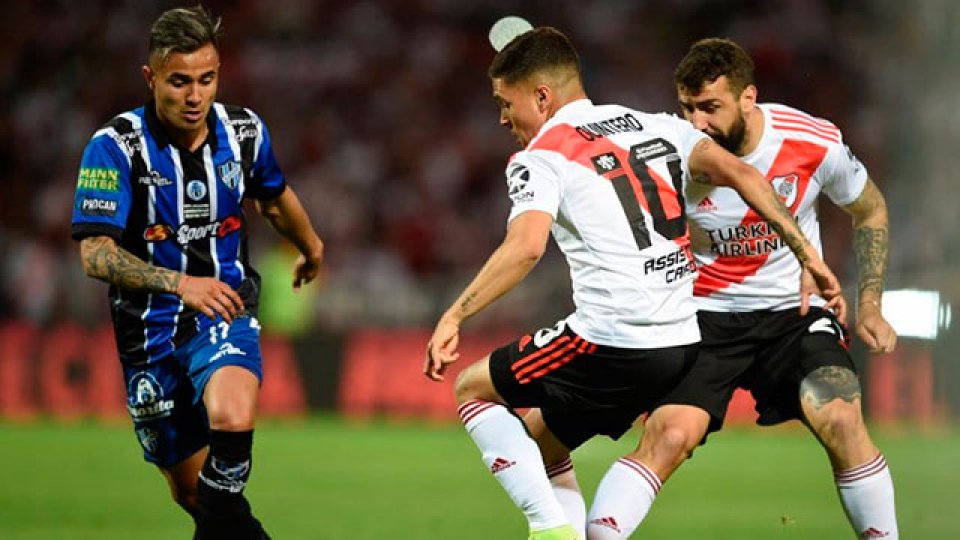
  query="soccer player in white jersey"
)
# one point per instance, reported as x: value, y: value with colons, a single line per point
x: 608, y: 182
x: 758, y: 332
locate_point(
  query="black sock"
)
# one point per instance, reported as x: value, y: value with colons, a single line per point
x: 224, y: 512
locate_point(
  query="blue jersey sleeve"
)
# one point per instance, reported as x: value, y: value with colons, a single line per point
x: 267, y: 181
x: 101, y: 202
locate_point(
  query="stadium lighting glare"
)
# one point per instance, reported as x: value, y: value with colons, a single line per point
x: 917, y: 314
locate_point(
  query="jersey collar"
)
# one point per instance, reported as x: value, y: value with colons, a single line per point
x: 161, y: 136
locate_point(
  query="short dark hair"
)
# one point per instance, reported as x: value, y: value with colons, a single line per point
x: 182, y: 30
x: 711, y: 58
x: 541, y: 49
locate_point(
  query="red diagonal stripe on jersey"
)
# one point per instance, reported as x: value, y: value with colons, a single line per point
x: 564, y: 139
x: 795, y: 156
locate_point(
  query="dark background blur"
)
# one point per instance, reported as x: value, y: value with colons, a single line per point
x: 381, y: 117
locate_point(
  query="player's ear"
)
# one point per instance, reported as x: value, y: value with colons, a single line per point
x: 543, y: 96
x: 149, y: 77
x: 748, y: 98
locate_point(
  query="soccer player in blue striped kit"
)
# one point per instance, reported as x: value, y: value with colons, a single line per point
x: 158, y: 214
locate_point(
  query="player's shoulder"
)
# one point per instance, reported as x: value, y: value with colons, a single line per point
x: 124, y: 131
x: 236, y: 114
x: 792, y: 123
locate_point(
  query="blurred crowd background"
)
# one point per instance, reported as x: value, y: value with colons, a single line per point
x: 382, y: 119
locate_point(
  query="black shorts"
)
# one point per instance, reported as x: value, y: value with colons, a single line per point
x: 766, y: 352
x: 585, y: 389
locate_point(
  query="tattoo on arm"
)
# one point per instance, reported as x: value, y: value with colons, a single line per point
x: 794, y: 241
x: 828, y: 383
x: 871, y: 248
x: 105, y: 260
x: 465, y: 305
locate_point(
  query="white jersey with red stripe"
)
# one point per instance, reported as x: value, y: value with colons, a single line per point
x: 743, y: 264
x: 612, y: 178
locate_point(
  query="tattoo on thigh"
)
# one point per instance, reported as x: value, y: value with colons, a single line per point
x: 828, y: 383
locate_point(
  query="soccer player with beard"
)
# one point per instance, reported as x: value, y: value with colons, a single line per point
x: 607, y: 181
x: 159, y: 216
x: 758, y: 332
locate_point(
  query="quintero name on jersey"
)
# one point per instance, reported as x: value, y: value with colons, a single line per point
x: 610, y: 126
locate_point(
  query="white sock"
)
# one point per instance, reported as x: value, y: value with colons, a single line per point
x: 867, y: 495
x: 567, y: 491
x: 623, y: 499
x: 515, y: 461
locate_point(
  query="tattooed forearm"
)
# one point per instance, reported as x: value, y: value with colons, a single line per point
x: 795, y: 242
x: 828, y: 383
x: 871, y: 248
x: 465, y: 304
x: 105, y: 260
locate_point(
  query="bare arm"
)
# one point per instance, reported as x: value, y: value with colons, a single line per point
x: 871, y: 247
x: 287, y: 216
x: 103, y: 259
x: 710, y: 162
x: 520, y: 251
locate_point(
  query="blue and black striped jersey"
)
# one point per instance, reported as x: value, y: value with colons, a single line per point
x: 177, y: 209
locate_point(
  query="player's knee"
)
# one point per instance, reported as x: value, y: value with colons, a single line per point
x: 469, y: 384
x: 232, y: 419
x: 839, y: 424
x: 186, y: 497
x: 675, y: 442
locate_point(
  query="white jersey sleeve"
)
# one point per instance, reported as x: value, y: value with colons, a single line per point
x: 533, y: 184
x: 844, y: 175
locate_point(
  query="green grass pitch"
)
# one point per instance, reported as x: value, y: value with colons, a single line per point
x: 327, y: 479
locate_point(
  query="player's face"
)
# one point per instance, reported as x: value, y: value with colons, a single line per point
x: 519, y: 109
x: 716, y: 111
x: 184, y: 88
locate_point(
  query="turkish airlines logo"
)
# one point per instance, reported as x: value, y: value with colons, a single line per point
x: 187, y: 233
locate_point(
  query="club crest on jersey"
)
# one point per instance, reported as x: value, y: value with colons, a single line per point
x: 230, y: 174
x: 606, y: 163
x: 786, y: 187
x: 196, y: 190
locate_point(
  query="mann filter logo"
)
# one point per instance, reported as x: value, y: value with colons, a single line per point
x: 196, y: 190
x: 230, y: 174
x: 605, y: 163
x: 219, y: 229
x: 98, y: 207
x: 145, y: 399
x: 97, y: 179
x: 786, y: 188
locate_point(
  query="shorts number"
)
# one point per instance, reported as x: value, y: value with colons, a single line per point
x: 546, y: 335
